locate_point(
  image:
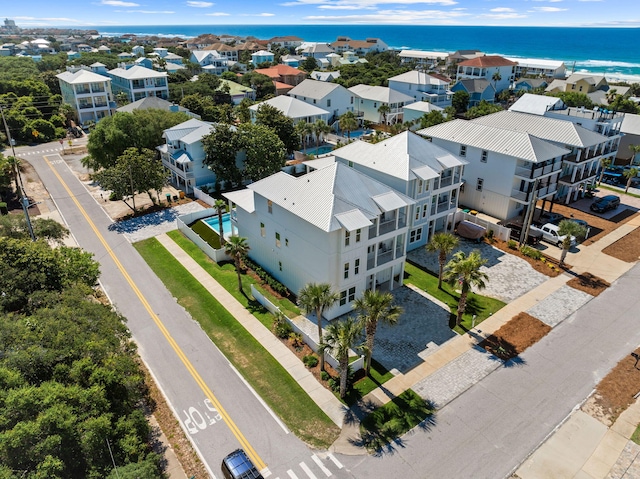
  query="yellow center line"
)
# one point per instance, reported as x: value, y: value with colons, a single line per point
x: 192, y: 370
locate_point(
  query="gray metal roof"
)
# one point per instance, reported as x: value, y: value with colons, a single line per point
x: 292, y: 107
x: 382, y: 94
x: 353, y: 220
x: 500, y: 140
x: 321, y: 196
x: 406, y: 156
x: 562, y: 132
x: 314, y: 89
x: 188, y: 132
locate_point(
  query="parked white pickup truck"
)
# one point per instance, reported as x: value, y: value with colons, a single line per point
x: 550, y: 234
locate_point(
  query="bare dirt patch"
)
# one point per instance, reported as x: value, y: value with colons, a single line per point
x: 589, y: 283
x: 626, y: 248
x: 616, y: 391
x: 512, y: 338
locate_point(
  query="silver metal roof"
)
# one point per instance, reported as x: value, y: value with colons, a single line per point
x: 353, y: 220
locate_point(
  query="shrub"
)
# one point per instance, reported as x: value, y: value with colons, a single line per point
x: 530, y: 252
x: 512, y: 244
x: 334, y: 384
x: 266, y: 277
x: 281, y: 326
x: 296, y: 340
x: 310, y: 360
x: 490, y: 236
x: 325, y: 376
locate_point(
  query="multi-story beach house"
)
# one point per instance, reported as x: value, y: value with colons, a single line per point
x: 333, y: 225
x: 493, y: 68
x: 371, y: 98
x: 297, y: 110
x: 211, y: 61
x: 89, y: 93
x: 422, y: 60
x: 138, y: 82
x: 183, y: 154
x: 431, y: 87
x: 359, y: 47
x: 537, y: 67
x: 419, y: 169
x: 332, y: 97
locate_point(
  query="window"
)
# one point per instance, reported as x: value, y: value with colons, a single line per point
x: 286, y: 241
x: 280, y: 265
x: 415, y: 235
x: 420, y: 184
x: 347, y: 238
x: 417, y: 212
x: 356, y: 267
x: 483, y: 158
x: 352, y: 294
x: 375, y: 105
x: 346, y: 270
x: 263, y: 232
x: 352, y: 100
x: 479, y: 184
x: 424, y: 211
x: 343, y: 298
x: 358, y: 235
x: 314, y: 101
x: 270, y: 206
x: 463, y: 150
x: 278, y: 239
x: 328, y: 101
x: 350, y: 164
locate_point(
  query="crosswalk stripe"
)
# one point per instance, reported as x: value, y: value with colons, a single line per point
x: 265, y: 472
x: 306, y: 469
x: 292, y: 474
x: 335, y: 461
x: 317, y: 460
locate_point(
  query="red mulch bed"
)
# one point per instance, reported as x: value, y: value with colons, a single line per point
x: 589, y: 283
x: 515, y: 336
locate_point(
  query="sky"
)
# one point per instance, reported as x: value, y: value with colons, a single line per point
x: 600, y: 13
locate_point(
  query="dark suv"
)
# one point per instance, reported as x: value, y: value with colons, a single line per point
x: 606, y: 203
x: 237, y: 465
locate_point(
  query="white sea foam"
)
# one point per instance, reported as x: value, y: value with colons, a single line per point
x: 607, y: 64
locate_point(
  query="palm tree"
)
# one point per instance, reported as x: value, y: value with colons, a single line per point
x: 316, y: 297
x: 320, y: 128
x: 348, y: 123
x: 570, y: 230
x: 465, y: 270
x: 604, y: 164
x: 375, y: 306
x: 237, y: 247
x: 338, y: 340
x: 384, y: 110
x: 443, y: 243
x: 630, y: 174
x: 304, y: 130
x: 221, y: 207
x: 635, y: 149
x: 496, y: 77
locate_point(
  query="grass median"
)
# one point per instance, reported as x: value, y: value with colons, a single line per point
x: 271, y: 381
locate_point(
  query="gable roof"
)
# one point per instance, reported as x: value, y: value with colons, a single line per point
x: 82, y: 76
x: 382, y: 94
x: 406, y: 156
x: 416, y: 77
x: 330, y: 197
x: 487, y: 61
x: 537, y: 104
x: 474, y: 84
x: 423, y: 106
x: 315, y: 89
x: 189, y: 132
x: 136, y: 72
x: 512, y: 143
x: 631, y: 124
x: 279, y: 70
x: 291, y: 107
x: 557, y: 131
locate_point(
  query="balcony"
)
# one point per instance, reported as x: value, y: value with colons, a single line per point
x: 527, y: 196
x: 580, y: 177
x: 387, y: 226
x: 446, y: 181
x: 445, y: 206
x: 385, y: 257
x: 537, y: 172
x: 85, y: 106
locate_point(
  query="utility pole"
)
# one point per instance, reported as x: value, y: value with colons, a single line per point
x: 19, y: 185
x: 530, y: 212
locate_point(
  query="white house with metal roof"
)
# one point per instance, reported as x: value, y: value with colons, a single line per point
x: 333, y: 225
x: 414, y: 111
x: 183, y: 154
x: 418, y: 168
x: 539, y: 67
x: 434, y: 88
x: 422, y: 59
x: 139, y: 82
x: 504, y: 166
x: 211, y: 61
x: 371, y: 98
x: 587, y: 147
x: 293, y: 108
x: 89, y: 93
x: 334, y: 98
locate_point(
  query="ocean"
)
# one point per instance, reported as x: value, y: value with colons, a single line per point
x: 609, y: 51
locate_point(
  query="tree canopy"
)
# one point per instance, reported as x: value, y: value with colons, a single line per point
x: 281, y: 124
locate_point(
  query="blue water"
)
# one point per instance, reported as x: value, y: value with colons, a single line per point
x: 604, y: 50
x: 355, y: 133
x: 212, y: 222
x: 319, y: 150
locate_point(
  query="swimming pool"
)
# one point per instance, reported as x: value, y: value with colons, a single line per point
x: 319, y: 150
x: 356, y: 133
x: 212, y: 222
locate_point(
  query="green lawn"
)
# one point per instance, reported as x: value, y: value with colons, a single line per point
x: 378, y: 376
x: 206, y: 233
x: 389, y: 422
x: 635, y: 437
x: 279, y: 390
x: 481, y: 306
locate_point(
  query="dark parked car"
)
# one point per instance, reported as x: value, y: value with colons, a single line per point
x: 533, y: 238
x: 237, y: 465
x: 606, y: 203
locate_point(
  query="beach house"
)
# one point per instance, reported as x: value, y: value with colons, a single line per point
x: 138, y: 82
x: 371, y: 98
x: 89, y: 93
x: 332, y: 97
x: 431, y: 87
x: 497, y: 70
x: 333, y: 225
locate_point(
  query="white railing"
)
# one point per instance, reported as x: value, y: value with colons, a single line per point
x: 273, y: 309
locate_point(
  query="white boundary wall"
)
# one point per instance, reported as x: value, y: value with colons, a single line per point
x: 217, y: 255
x: 499, y: 232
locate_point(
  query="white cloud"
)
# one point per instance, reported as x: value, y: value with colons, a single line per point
x: 503, y: 16
x: 366, y: 4
x: 502, y: 10
x: 200, y: 4
x: 119, y: 3
x: 47, y: 20
x: 150, y: 12
x: 258, y: 15
x: 558, y: 1
x: 395, y: 17
x: 548, y: 9
x: 344, y: 7
x: 217, y: 14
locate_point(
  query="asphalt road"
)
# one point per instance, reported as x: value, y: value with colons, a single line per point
x: 184, y: 380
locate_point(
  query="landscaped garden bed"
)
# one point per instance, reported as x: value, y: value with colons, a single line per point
x: 588, y: 283
x: 538, y: 261
x: 626, y: 248
x: 512, y: 338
